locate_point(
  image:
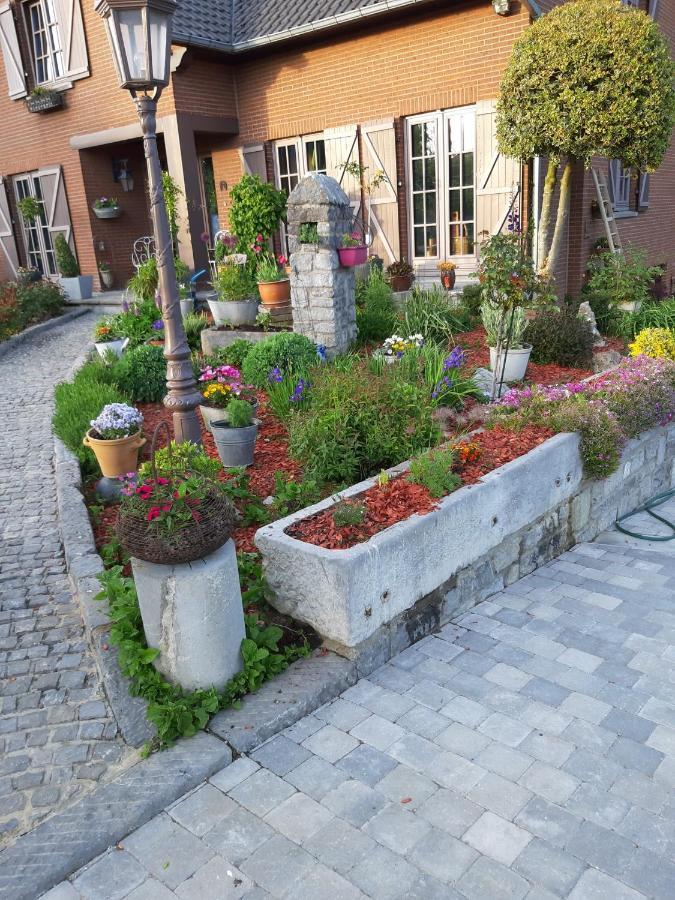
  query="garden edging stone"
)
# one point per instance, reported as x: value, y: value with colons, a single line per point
x: 16, y: 339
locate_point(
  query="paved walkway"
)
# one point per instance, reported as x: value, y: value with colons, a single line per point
x: 57, y: 737
x: 526, y: 751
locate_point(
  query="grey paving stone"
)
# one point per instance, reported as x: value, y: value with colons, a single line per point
x: 389, y: 704
x: 663, y: 740
x: 342, y: 714
x: 507, y: 676
x: 499, y: 795
x: 315, y: 777
x: 497, y: 838
x: 378, y: 732
x: 548, y: 821
x: 298, y: 817
x: 111, y: 877
x: 217, y: 878
x: 595, y: 885
x: 151, y: 890
x: 455, y: 772
x: 63, y: 891
x: 547, y: 748
x: 340, y: 846
x: 427, y: 888
x: 601, y: 847
x: 640, y: 790
x: 450, y: 811
x: 487, y: 878
x: 366, y: 764
x: 280, y: 755
x: 650, y: 874
x: 238, y: 835
x: 442, y: 856
x: 633, y: 755
x: 505, y: 761
x: 465, y: 710
x: 549, y: 867
x: 415, y: 751
x: 404, y: 785
x: 504, y: 729
x: 593, y: 802
x: 383, y: 875
x: 462, y: 740
x: 330, y: 743
x: 202, y: 809
x: 303, y: 728
x: 167, y: 850
x: 654, y: 833
x: 423, y: 721
x: 587, y: 708
x: 397, y: 828
x: 261, y: 792
x: 321, y: 883
x: 545, y: 691
x: 549, y: 782
x: 234, y: 774
x: 430, y: 693
x: 277, y: 865
x: 355, y: 802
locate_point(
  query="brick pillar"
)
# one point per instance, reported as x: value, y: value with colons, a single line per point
x: 322, y: 291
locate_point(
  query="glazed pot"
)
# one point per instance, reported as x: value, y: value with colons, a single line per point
x: 274, y: 293
x: 448, y: 280
x: 117, y: 347
x: 517, y: 359
x: 235, y: 445
x: 352, y: 256
x: 107, y: 212
x: 399, y: 283
x: 234, y: 312
x: 118, y: 456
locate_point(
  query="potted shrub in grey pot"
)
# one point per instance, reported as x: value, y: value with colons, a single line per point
x: 235, y: 437
x: 76, y: 286
x: 236, y: 300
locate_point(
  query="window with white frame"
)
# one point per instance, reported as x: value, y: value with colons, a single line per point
x: 315, y: 155
x: 45, y: 41
x: 620, y: 181
x: 298, y: 157
x: 38, y: 238
x: 442, y: 183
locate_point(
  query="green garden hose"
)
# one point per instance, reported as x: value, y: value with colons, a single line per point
x: 648, y: 507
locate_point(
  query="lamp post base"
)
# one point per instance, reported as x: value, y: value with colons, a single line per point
x: 186, y: 427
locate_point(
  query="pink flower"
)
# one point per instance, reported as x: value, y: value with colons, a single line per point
x: 259, y: 237
x: 153, y: 513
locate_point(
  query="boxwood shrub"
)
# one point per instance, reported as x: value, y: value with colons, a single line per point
x: 285, y: 351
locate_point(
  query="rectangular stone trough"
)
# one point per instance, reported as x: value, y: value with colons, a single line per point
x: 348, y: 595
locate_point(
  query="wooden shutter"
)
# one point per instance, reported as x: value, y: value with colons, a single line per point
x: 71, y: 29
x: 55, y: 202
x: 497, y: 176
x: 379, y: 153
x: 643, y: 191
x: 342, y: 147
x: 8, y: 249
x: 16, y: 80
x: 253, y: 160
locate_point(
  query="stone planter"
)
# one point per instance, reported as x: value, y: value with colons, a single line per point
x: 192, y: 613
x: 274, y: 293
x: 212, y: 338
x: 79, y: 288
x: 107, y: 212
x: 118, y: 456
x: 117, y: 347
x: 517, y: 359
x: 353, y: 256
x: 234, y: 312
x: 235, y: 446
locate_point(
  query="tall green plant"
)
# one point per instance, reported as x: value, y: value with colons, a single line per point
x: 257, y: 208
x: 65, y: 258
x: 172, y: 195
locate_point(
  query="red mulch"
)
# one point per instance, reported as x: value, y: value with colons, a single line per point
x: 400, y: 499
x: 478, y: 355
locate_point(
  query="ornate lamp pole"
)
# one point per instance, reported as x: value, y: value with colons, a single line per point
x: 139, y: 32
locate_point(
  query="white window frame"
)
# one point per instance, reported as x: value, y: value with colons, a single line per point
x: 466, y: 116
x: 51, y: 60
x: 36, y: 234
x: 301, y: 145
x: 620, y: 177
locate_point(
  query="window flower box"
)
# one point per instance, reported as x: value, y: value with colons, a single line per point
x: 44, y: 101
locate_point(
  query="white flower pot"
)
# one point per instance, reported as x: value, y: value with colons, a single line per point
x: 516, y: 362
x: 117, y: 347
x: 234, y: 312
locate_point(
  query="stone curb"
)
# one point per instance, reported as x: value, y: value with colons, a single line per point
x: 17, y: 339
x: 70, y: 839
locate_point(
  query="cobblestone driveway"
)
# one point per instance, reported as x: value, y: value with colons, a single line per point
x: 527, y: 751
x: 57, y: 738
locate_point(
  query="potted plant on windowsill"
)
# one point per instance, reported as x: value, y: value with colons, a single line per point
x: 106, y: 208
x: 115, y: 437
x: 236, y: 303
x: 107, y: 338
x: 235, y: 436
x: 448, y: 275
x: 43, y: 100
x: 218, y: 386
x: 274, y: 285
x: 106, y: 275
x: 76, y: 286
x: 353, y: 251
x: 400, y: 276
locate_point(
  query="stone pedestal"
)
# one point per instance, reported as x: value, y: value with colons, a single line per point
x: 193, y: 614
x: 322, y: 291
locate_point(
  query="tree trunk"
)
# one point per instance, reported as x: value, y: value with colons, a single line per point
x: 561, y: 219
x: 545, y: 215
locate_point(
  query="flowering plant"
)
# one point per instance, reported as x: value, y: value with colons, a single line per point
x: 445, y: 267
x: 453, y: 361
x: 105, y: 203
x: 400, y: 268
x: 168, y: 505
x: 221, y: 384
x: 467, y: 452
x: 654, y: 342
x: 271, y: 269
x: 107, y: 330
x: 116, y: 420
x: 352, y: 239
x: 396, y: 346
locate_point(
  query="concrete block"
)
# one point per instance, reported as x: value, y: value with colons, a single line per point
x: 193, y: 614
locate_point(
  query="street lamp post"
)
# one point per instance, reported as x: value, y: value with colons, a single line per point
x: 139, y: 32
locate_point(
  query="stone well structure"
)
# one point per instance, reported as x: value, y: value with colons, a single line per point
x: 322, y: 291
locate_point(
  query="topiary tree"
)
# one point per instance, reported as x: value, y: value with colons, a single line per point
x: 65, y: 258
x: 257, y: 208
x: 590, y: 78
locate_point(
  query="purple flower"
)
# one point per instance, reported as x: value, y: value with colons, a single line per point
x: 125, y: 306
x: 455, y: 360
x: 298, y: 393
x: 275, y: 376
x: 158, y: 325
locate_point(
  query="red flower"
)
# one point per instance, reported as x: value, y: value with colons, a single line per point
x: 166, y: 508
x: 144, y: 491
x: 162, y: 481
x: 153, y: 514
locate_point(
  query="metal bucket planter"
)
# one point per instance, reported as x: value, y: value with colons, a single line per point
x: 106, y: 212
x: 117, y: 347
x: 517, y: 359
x: 235, y: 445
x: 211, y: 414
x: 234, y: 312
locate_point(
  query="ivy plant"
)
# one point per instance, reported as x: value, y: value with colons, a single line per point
x: 257, y: 209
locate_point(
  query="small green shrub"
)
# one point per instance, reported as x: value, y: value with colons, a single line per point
x: 308, y: 233
x: 291, y: 495
x: 257, y: 208
x: 143, y: 284
x: 348, y: 512
x: 239, y: 413
x: 601, y: 436
x: 562, y: 337
x: 141, y: 374
x: 232, y: 355
x: 76, y: 404
x: 288, y: 352
x: 194, y: 324
x: 621, y: 277
x: 375, y: 315
x: 433, y: 470
x: 234, y: 282
x: 608, y: 317
x: 26, y: 304
x: 185, y: 457
x: 65, y: 258
x: 431, y: 314
x: 472, y: 297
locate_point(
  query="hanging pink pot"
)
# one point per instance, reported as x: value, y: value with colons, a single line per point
x: 352, y: 256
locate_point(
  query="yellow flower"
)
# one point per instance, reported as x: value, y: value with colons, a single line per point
x: 654, y: 342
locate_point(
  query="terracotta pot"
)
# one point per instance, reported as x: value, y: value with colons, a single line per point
x: 274, y: 293
x: 448, y: 280
x: 400, y: 283
x: 352, y: 256
x: 116, y: 457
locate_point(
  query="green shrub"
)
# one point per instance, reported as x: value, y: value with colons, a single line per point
x: 76, y: 404
x: 472, y: 297
x: 239, y: 413
x: 232, y: 355
x: 234, y: 282
x: 357, y: 424
x: 257, y: 208
x: 288, y: 352
x: 607, y: 317
x: 561, y: 337
x: 375, y: 315
x: 185, y: 457
x: 433, y: 470
x: 141, y: 374
x: 431, y: 314
x: 194, y: 324
x: 65, y: 258
x: 291, y: 495
x: 621, y: 277
x: 26, y: 304
x: 143, y: 284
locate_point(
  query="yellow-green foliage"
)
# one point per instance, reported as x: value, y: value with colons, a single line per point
x: 592, y: 77
x: 654, y: 342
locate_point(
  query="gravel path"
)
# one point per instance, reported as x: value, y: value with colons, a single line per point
x: 57, y: 735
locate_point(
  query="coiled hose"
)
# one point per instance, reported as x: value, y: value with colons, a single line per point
x: 648, y: 507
